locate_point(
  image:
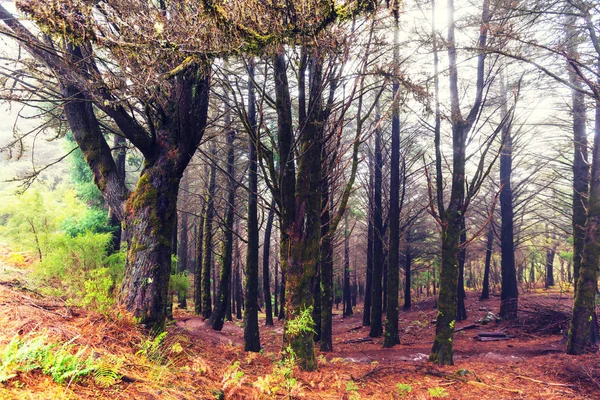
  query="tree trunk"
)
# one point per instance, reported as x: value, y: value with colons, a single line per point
x: 114, y: 221
x: 217, y: 317
x: 208, y: 238
x: 392, y: 337
x: 266, y: 273
x: 327, y: 294
x: 376, y: 301
x: 276, y: 289
x: 251, y: 332
x: 485, y: 291
x: 198, y: 266
x: 347, y: 292
x: 407, y: 273
x: 509, y: 300
x: 581, y: 168
x: 550, y: 253
x: 461, y: 311
x: 370, y: 240
x: 583, y: 332
x: 182, y: 250
x: 151, y: 214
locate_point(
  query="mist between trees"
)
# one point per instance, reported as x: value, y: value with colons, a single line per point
x: 293, y: 156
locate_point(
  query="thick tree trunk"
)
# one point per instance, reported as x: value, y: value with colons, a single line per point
x: 151, y: 214
x: 266, y: 270
x: 583, y: 332
x: 217, y: 317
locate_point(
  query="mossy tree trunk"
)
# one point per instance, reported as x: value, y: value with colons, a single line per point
x: 583, y: 332
x: 326, y: 337
x: 305, y: 230
x: 581, y: 168
x: 451, y: 218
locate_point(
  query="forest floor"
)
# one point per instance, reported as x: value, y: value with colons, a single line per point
x: 195, y: 362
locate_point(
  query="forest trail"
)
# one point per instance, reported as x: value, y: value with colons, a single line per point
x: 208, y: 363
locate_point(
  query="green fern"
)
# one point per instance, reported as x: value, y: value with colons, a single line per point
x: 107, y: 371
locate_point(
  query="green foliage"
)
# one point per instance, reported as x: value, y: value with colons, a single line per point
x: 403, y: 389
x: 437, y: 392
x: 301, y: 324
x: 94, y: 221
x: 153, y: 348
x: 180, y: 282
x: 352, y: 389
x: 64, y: 234
x: 280, y: 380
x: 64, y: 363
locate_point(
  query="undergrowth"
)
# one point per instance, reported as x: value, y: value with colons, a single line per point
x: 65, y: 363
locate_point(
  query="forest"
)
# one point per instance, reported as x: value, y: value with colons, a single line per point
x: 299, y: 199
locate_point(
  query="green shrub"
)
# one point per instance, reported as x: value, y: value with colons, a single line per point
x: 64, y: 363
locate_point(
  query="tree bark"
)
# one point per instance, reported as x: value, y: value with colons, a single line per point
x: 217, y: 317
x: 461, y: 310
x: 583, y: 331
x: 509, y: 299
x: 251, y: 332
x: 266, y: 273
x: 485, y: 291
x: 208, y: 238
x: 392, y: 337
x: 347, y: 292
x: 407, y: 273
x: 198, y: 266
x: 376, y: 290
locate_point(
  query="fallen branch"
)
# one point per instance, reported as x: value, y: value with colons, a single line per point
x: 363, y: 340
x: 485, y: 385
x: 354, y: 329
x: 548, y: 383
x: 464, y: 328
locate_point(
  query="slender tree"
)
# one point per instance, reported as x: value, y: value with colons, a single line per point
x: 251, y: 332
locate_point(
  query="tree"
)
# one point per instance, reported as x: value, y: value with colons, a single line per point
x: 223, y: 298
x: 393, y: 279
x: 251, y: 333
